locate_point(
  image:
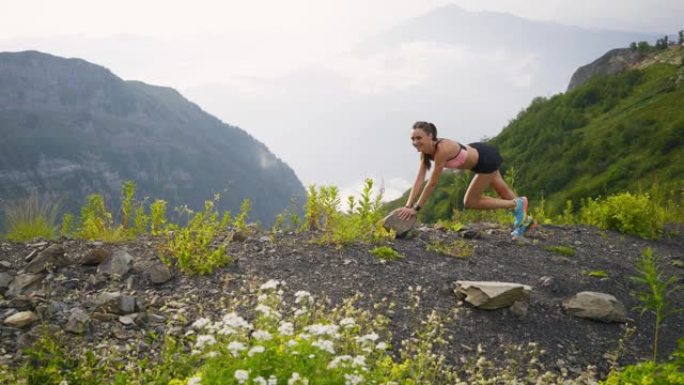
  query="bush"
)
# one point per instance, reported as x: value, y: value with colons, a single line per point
x: 192, y: 248
x: 649, y: 372
x: 628, y: 213
x: 30, y: 218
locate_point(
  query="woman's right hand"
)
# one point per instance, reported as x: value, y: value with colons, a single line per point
x: 406, y: 213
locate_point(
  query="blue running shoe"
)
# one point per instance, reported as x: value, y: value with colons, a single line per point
x: 520, y: 211
x: 529, y: 224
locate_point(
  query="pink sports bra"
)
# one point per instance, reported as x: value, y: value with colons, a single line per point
x: 459, y: 159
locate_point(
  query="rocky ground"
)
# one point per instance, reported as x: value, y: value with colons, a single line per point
x: 116, y: 294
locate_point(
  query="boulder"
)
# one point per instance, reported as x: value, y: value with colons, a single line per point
x: 400, y: 227
x: 597, y: 306
x: 21, y: 319
x: 492, y: 295
x: 52, y: 256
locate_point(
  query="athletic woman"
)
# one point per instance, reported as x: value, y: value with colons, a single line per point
x: 483, y: 159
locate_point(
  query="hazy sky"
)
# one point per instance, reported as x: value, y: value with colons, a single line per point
x: 251, y: 46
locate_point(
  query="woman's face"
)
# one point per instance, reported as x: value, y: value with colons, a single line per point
x: 421, y: 140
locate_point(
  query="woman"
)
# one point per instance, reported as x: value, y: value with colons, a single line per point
x: 481, y: 158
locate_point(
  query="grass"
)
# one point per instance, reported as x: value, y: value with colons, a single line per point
x: 386, y: 253
x: 31, y: 218
x: 597, y: 273
x: 457, y: 248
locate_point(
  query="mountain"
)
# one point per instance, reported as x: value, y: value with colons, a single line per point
x: 71, y: 128
x: 616, y: 130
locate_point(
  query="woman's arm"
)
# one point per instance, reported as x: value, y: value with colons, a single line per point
x: 432, y: 183
x: 417, y: 185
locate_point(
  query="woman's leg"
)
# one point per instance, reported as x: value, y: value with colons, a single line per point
x: 501, y: 188
x: 474, y: 198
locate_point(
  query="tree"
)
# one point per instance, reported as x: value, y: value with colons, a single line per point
x: 681, y: 37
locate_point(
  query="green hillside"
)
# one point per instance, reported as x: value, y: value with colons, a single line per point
x: 614, y: 133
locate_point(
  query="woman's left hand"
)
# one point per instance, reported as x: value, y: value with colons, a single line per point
x: 406, y: 213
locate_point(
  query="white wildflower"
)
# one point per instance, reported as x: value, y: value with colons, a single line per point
x: 301, y: 312
x: 381, y: 346
x: 212, y: 354
x: 321, y: 330
x: 267, y: 311
x: 236, y: 347
x: 353, y: 379
x: 226, y: 330
x: 194, y: 381
x: 326, y: 345
x: 260, y: 381
x: 359, y: 361
x: 347, y: 322
x: 273, y: 380
x: 271, y: 284
x: 303, y: 296
x: 262, y: 335
x: 241, y: 376
x: 291, y: 343
x: 235, y: 321
x: 368, y: 338
x: 200, y: 323
x: 338, y: 360
x: 286, y: 328
x: 255, y: 350
x: 204, y: 340
x: 296, y: 379
x: 262, y: 298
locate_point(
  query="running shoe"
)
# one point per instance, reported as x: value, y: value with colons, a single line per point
x: 526, y: 226
x: 520, y: 211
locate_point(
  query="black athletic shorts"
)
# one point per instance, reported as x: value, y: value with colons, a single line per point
x: 489, y: 161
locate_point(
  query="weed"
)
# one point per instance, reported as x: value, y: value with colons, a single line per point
x: 597, y: 273
x: 628, y: 213
x: 562, y: 250
x: 387, y: 253
x: 655, y: 296
x: 457, y: 248
x: 157, y: 216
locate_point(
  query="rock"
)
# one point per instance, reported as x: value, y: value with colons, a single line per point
x: 79, y: 321
x: 159, y: 273
x: 115, y: 302
x: 400, y: 227
x: 5, y: 265
x: 118, y: 264
x: 95, y: 257
x: 492, y: 295
x: 52, y: 256
x: 24, y: 284
x: 5, y: 280
x: 519, y: 308
x: 597, y: 306
x: 21, y: 319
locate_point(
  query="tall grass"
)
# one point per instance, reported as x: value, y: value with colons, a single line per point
x: 31, y: 217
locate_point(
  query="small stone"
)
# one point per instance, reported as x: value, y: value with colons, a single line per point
x: 21, y: 319
x: 78, y: 322
x: 95, y: 256
x: 159, y: 273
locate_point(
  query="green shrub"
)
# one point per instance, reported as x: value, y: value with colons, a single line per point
x: 192, y: 247
x: 158, y: 217
x: 650, y: 372
x: 30, y: 218
x: 96, y: 221
x: 628, y: 213
x: 387, y: 253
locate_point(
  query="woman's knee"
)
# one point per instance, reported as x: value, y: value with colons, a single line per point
x: 470, y: 203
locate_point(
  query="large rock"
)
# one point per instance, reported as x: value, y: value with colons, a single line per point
x: 401, y: 227
x: 119, y: 264
x: 492, y: 295
x: 159, y: 273
x: 597, y: 306
x: 24, y: 284
x: 21, y: 319
x: 53, y: 256
x: 94, y: 256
